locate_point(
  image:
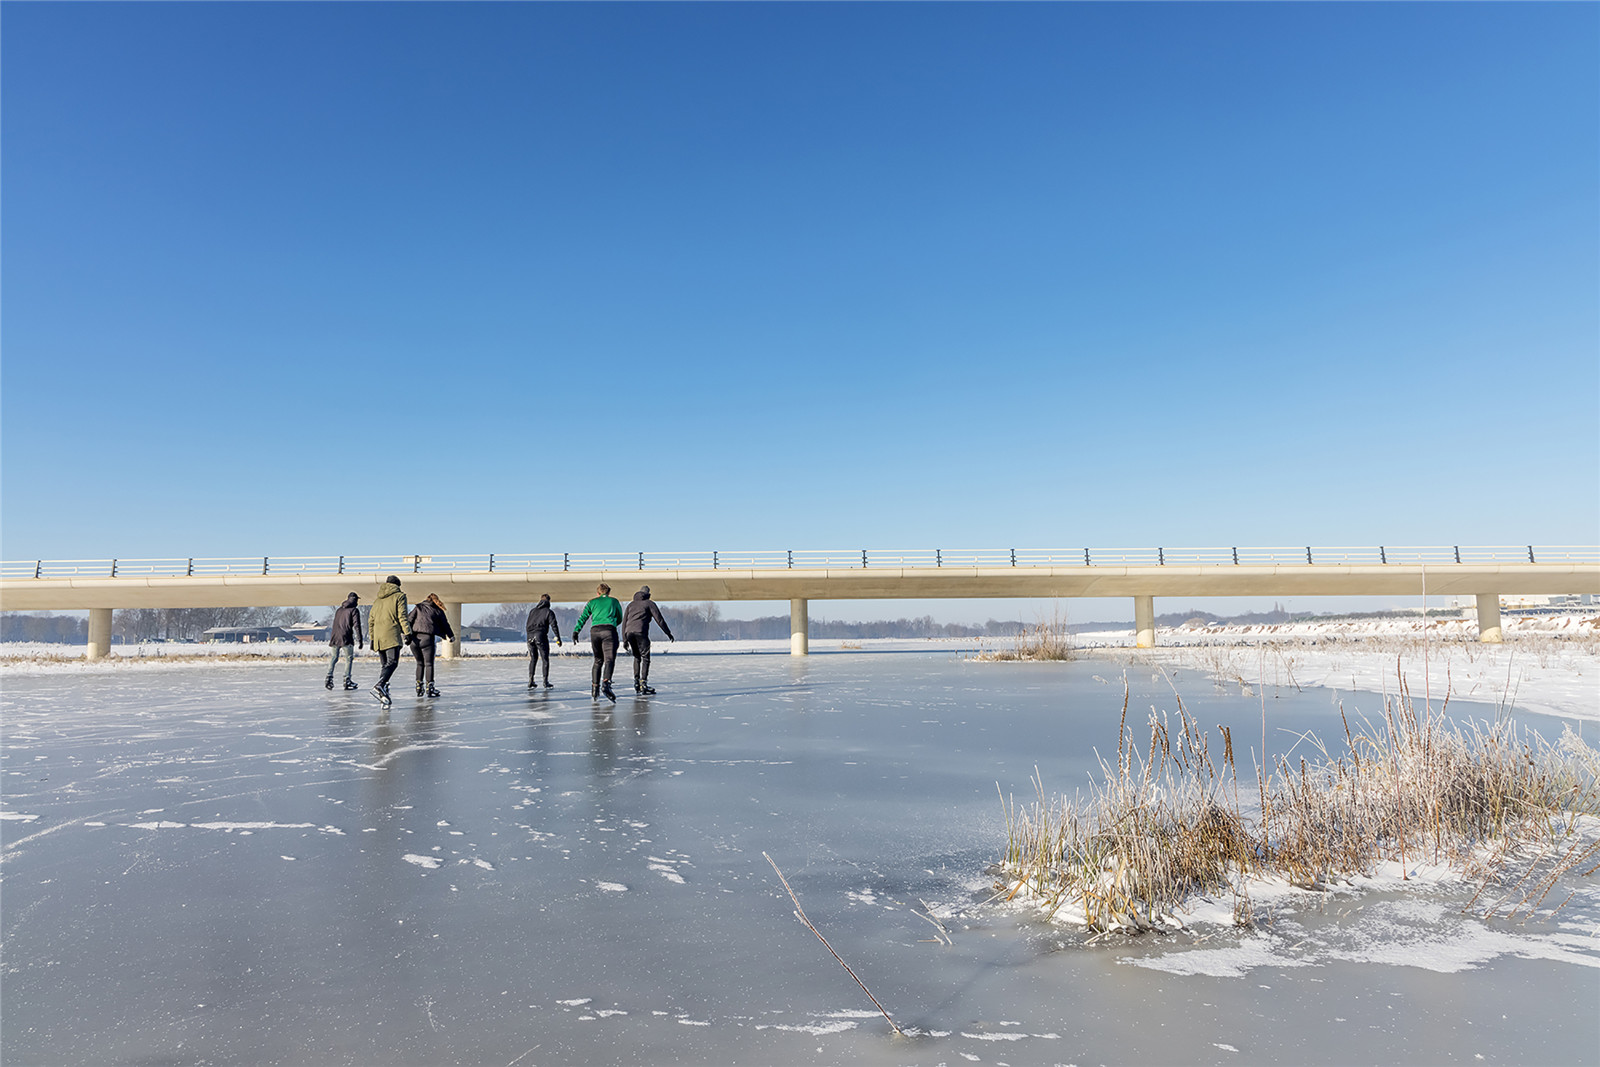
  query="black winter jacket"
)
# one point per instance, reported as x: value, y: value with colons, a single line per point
x: 427, y: 620
x: 346, y: 629
x: 542, y: 619
x: 637, y: 615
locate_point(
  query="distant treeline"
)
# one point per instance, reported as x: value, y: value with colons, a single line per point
x: 141, y: 624
x: 704, y: 622
x: 50, y: 629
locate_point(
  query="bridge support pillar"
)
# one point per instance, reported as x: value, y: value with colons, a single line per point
x: 452, y: 648
x: 1489, y: 618
x: 99, y: 633
x: 1144, y: 622
x: 799, y: 627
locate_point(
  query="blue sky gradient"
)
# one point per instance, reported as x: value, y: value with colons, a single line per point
x: 345, y: 278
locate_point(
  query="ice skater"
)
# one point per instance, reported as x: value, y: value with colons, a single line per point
x: 429, y: 622
x: 388, y: 629
x: 602, y: 613
x: 345, y: 637
x: 636, y: 635
x: 542, y: 622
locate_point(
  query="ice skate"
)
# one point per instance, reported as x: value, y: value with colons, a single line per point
x: 350, y: 685
x: 329, y: 682
x: 432, y: 692
x: 606, y: 689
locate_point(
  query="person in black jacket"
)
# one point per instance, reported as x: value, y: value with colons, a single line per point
x: 428, y: 623
x: 345, y: 636
x: 636, y: 635
x: 541, y: 620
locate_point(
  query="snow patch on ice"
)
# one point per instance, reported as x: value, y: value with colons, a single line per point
x: 430, y: 862
x: 838, y: 1026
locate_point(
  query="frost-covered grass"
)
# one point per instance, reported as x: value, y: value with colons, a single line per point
x: 1048, y: 640
x: 1169, y: 821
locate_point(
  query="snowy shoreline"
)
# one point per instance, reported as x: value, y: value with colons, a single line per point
x: 1548, y: 664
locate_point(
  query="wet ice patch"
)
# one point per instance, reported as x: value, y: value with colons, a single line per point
x: 162, y: 825
x: 429, y: 862
x: 611, y: 887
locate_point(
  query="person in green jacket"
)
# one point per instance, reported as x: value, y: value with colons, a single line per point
x: 389, y: 630
x: 603, y: 614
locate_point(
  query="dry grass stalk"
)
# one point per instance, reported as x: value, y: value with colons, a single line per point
x: 1166, y: 824
x: 801, y: 915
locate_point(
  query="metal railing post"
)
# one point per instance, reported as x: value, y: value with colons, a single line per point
x: 341, y: 564
x: 38, y: 568
x: 263, y: 564
x: 863, y: 559
x: 938, y: 558
x: 713, y: 559
x: 1458, y: 553
x: 1383, y: 557
x: 416, y: 563
x: 190, y: 572
x: 1308, y: 555
x: 641, y: 561
x: 113, y: 568
x: 1086, y: 557
x: 1161, y: 557
x: 1013, y: 557
x: 563, y: 561
x: 1235, y: 555
x: 791, y: 559
x: 491, y: 563
x: 1530, y: 554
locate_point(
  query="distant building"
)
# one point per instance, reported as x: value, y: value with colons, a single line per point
x: 310, y: 633
x: 492, y: 633
x: 245, y: 635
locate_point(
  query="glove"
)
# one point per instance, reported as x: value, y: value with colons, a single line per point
x: 674, y: 640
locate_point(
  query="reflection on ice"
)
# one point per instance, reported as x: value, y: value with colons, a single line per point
x: 498, y: 877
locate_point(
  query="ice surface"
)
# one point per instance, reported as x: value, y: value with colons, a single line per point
x: 235, y: 865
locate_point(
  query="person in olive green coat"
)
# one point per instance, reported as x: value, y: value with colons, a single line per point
x: 389, y: 630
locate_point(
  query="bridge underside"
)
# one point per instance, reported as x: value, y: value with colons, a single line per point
x: 1485, y: 581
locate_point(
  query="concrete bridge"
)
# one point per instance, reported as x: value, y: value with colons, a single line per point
x: 1486, y: 573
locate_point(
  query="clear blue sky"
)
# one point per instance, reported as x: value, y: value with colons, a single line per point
x: 303, y: 279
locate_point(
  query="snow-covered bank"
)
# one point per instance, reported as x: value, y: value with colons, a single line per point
x: 1548, y: 664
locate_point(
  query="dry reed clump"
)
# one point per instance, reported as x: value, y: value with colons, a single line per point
x: 1168, y: 823
x: 1050, y: 640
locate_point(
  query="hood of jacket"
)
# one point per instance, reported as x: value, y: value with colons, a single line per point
x: 350, y: 601
x: 643, y: 594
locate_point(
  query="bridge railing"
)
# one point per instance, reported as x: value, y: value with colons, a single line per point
x: 809, y: 559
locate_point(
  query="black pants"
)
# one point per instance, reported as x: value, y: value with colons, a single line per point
x: 388, y: 660
x: 539, y: 654
x: 603, y: 639
x: 423, y: 648
x: 639, y: 645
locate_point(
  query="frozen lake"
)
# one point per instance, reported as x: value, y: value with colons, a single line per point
x: 233, y: 865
